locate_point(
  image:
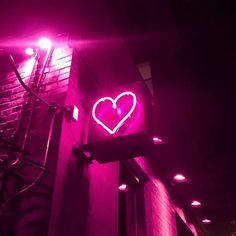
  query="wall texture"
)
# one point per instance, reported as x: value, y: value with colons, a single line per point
x: 26, y: 121
x: 159, y: 208
x: 85, y: 199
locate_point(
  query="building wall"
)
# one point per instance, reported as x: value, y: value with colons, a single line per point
x: 160, y: 219
x: 159, y: 208
x: 25, y: 121
x: 85, y: 196
x: 76, y: 197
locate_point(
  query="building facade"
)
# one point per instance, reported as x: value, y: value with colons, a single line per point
x: 60, y: 173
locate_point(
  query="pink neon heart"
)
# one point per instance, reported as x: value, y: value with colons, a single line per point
x: 114, y: 105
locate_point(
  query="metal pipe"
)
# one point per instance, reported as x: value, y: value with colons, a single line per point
x: 32, y: 76
x: 44, y: 164
x: 13, y: 146
x: 45, y: 63
x: 23, y: 84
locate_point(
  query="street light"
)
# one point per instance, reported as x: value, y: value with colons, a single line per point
x: 45, y: 43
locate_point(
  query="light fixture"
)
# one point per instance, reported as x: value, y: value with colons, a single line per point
x: 44, y: 43
x: 29, y: 51
x: 75, y: 113
x: 179, y: 178
x: 157, y: 140
x: 195, y: 203
x: 206, y: 221
x: 122, y: 187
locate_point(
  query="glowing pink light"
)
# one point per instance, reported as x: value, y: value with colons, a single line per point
x: 180, y: 178
x: 75, y: 113
x: 29, y: 51
x: 157, y: 140
x: 193, y: 229
x: 119, y: 111
x: 27, y: 67
x: 114, y: 105
x: 206, y: 221
x: 122, y: 187
x: 181, y: 214
x: 196, y: 203
x: 45, y: 43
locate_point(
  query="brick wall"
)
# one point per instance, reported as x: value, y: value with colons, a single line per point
x: 11, y: 99
x: 159, y: 209
x: 85, y: 199
x: 25, y: 121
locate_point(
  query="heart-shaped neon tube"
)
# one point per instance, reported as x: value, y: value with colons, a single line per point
x: 114, y: 105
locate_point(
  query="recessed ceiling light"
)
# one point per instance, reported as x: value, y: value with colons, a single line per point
x: 122, y: 187
x: 157, y: 140
x: 206, y: 221
x: 195, y: 203
x: 180, y: 178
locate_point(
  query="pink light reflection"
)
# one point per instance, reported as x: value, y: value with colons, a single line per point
x: 163, y: 208
x: 119, y: 111
x: 122, y: 187
x: 27, y: 67
x: 195, y: 203
x: 193, y: 229
x: 181, y: 214
x: 117, y: 104
x: 179, y: 178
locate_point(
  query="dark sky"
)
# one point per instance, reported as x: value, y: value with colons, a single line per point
x: 197, y: 112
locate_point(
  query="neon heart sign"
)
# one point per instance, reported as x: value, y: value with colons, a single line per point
x: 118, y: 110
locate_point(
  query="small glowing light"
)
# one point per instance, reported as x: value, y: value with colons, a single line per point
x: 206, y: 221
x: 87, y: 154
x: 180, y: 178
x: 195, y: 203
x: 122, y: 187
x: 29, y: 51
x: 137, y: 179
x: 45, y: 43
x: 157, y: 140
x: 75, y: 113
